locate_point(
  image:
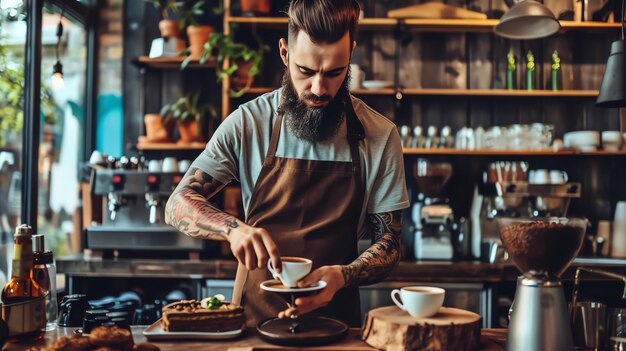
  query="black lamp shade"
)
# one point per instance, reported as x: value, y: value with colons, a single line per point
x: 613, y: 88
x: 528, y: 19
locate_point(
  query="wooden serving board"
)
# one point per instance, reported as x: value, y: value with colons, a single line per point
x: 391, y: 328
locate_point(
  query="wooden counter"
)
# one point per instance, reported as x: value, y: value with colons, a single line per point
x: 491, y: 340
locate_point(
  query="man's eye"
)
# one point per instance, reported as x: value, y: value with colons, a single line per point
x: 307, y: 73
x: 333, y: 74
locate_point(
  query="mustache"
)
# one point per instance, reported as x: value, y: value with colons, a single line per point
x: 315, y: 98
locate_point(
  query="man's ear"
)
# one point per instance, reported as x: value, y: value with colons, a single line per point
x: 283, y: 48
x: 353, y: 46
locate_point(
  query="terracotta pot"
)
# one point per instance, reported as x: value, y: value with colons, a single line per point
x: 156, y: 131
x: 255, y: 7
x: 242, y: 77
x: 169, y: 28
x: 188, y: 132
x: 198, y: 35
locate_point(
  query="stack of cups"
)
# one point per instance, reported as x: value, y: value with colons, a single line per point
x: 618, y: 243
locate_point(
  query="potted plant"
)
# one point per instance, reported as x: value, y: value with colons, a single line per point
x: 190, y: 116
x: 239, y: 55
x: 198, y: 27
x: 12, y: 98
x: 255, y: 7
x: 168, y: 26
x: 158, y: 129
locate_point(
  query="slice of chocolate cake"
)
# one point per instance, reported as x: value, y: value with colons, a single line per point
x: 190, y: 316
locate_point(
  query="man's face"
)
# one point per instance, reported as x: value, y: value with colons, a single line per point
x: 315, y: 86
x: 317, y: 70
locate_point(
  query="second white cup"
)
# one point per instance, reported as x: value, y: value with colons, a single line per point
x: 419, y: 301
x: 294, y: 269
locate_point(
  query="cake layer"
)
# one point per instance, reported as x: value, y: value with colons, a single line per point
x: 188, y: 315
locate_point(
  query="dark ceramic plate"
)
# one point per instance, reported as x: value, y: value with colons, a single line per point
x: 302, y: 331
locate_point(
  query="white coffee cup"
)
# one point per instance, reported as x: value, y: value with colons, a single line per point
x: 294, y: 269
x: 96, y: 157
x: 154, y: 166
x: 183, y: 165
x: 558, y: 177
x: 357, y: 76
x: 170, y: 165
x: 419, y: 301
x: 539, y: 176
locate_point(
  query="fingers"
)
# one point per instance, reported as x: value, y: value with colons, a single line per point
x: 288, y: 313
x: 272, y: 250
x: 250, y: 259
x: 311, y: 278
x: 260, y: 252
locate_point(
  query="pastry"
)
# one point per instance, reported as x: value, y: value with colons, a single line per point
x: 70, y: 343
x: 144, y: 346
x: 191, y: 316
x: 112, y: 337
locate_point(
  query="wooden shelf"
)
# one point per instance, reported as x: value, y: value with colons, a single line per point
x: 460, y: 92
x: 169, y: 146
x: 460, y: 152
x: 170, y: 62
x: 427, y: 25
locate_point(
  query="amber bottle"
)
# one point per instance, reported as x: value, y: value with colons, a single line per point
x: 23, y: 299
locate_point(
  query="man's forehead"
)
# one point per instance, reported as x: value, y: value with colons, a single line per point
x: 305, y: 46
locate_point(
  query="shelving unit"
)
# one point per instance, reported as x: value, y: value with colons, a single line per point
x: 170, y: 62
x: 460, y: 152
x: 169, y: 146
x: 425, y: 25
x: 459, y: 92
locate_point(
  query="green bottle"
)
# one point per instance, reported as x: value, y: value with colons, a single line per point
x: 511, y: 67
x: 530, y: 70
x: 556, y: 67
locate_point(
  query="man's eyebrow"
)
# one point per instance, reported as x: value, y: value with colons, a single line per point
x: 338, y: 69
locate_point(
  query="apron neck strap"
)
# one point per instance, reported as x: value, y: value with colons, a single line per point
x: 356, y: 133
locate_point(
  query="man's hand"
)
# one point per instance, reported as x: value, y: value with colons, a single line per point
x: 253, y: 247
x: 334, y: 282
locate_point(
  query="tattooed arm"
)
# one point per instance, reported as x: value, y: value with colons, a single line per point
x: 189, y: 211
x: 379, y: 260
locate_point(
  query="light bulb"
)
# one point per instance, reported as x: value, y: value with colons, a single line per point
x: 57, y: 80
x: 57, y: 76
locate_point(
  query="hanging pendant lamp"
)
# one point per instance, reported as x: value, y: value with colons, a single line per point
x: 613, y: 87
x: 528, y: 19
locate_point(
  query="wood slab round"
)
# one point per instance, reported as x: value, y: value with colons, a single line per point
x: 391, y: 328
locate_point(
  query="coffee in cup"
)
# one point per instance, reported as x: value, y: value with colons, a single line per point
x: 294, y: 269
x: 419, y: 301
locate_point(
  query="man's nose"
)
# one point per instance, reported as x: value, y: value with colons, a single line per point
x: 317, y: 87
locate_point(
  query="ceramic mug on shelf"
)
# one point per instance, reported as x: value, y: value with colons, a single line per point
x: 539, y: 176
x: 558, y: 177
x: 419, y: 301
x: 170, y: 165
x: 294, y: 269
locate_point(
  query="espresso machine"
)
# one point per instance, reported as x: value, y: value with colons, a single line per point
x: 133, y: 212
x: 513, y: 196
x: 433, y: 218
x: 542, y: 249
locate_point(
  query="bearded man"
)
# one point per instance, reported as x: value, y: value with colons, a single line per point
x: 318, y: 170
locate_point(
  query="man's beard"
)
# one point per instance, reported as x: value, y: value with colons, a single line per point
x: 310, y: 122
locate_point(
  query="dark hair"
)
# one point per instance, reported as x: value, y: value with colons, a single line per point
x: 324, y: 21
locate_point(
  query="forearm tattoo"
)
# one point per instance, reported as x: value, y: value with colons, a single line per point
x: 189, y: 210
x: 379, y: 259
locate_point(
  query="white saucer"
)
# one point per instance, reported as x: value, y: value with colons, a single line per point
x: 377, y: 84
x: 266, y: 285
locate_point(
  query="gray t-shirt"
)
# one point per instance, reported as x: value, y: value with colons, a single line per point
x: 237, y: 150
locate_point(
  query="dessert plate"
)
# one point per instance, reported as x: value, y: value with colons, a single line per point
x: 156, y: 332
x: 274, y: 285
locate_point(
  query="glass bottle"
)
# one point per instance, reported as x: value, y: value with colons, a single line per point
x: 45, y: 274
x: 23, y: 299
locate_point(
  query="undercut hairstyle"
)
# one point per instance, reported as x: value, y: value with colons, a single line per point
x: 324, y: 21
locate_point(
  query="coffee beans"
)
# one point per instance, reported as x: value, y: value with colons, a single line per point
x: 542, y: 246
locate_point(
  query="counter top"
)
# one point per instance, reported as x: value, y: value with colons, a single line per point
x: 491, y: 340
x: 420, y: 271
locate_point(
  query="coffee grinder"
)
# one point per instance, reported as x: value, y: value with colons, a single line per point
x: 541, y: 249
x: 432, y: 215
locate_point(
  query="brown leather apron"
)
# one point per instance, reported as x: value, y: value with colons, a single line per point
x: 311, y: 209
